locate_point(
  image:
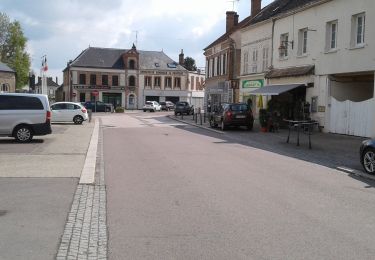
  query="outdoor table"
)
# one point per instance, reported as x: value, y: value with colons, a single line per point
x: 298, y: 124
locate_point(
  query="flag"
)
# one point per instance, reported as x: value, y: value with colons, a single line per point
x: 45, y: 67
x: 44, y: 64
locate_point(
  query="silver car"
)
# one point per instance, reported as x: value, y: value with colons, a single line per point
x: 23, y: 116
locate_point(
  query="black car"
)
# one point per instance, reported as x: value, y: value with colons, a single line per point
x: 183, y: 107
x: 367, y: 156
x: 232, y: 114
x: 100, y: 106
x: 167, y: 105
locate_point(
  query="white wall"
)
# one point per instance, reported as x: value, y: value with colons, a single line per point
x: 345, y: 59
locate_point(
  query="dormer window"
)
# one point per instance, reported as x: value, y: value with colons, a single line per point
x: 171, y: 65
x: 131, y: 64
x: 157, y: 64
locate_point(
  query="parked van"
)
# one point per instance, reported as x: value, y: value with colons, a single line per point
x: 24, y: 115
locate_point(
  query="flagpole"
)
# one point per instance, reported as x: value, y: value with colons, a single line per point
x: 44, y: 79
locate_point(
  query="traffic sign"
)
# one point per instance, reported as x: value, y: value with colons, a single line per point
x: 95, y: 93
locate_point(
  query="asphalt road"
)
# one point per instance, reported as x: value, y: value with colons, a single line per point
x: 178, y: 192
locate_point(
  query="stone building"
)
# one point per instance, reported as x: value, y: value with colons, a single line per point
x: 126, y: 78
x: 7, y: 79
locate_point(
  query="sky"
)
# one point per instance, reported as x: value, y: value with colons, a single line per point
x: 62, y: 29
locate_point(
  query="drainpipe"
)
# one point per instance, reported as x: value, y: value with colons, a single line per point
x: 272, y: 42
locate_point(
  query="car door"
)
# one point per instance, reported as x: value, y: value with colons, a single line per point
x: 57, y: 112
x: 70, y: 112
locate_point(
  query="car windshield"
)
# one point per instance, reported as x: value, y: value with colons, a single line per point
x: 238, y: 107
x: 148, y: 103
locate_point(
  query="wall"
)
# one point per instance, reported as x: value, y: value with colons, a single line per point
x: 10, y: 79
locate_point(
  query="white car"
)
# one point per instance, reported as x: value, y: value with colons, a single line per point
x: 151, y: 106
x: 68, y: 112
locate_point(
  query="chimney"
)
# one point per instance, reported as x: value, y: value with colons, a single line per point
x: 236, y: 19
x: 57, y: 80
x: 181, y: 60
x: 256, y: 6
x: 231, y: 20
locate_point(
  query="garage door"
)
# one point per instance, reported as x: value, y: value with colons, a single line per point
x: 352, y: 118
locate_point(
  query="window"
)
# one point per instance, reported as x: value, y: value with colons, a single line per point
x: 157, y: 82
x: 82, y: 79
x: 192, y: 82
x: 131, y: 64
x: 115, y: 80
x: 148, y: 81
x: 207, y: 69
x: 20, y: 103
x: 177, y: 82
x: 359, y: 31
x: 254, y: 66
x: 168, y: 82
x: 105, y: 80
x: 331, y: 41
x: 218, y: 66
x: 224, y: 64
x: 245, y: 62
x: 132, y: 81
x: 284, y: 42
x: 302, y: 42
x: 4, y: 88
x: 93, y: 79
x: 215, y: 66
x: 265, y: 58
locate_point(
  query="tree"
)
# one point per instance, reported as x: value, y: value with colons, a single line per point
x: 189, y: 64
x: 12, y: 49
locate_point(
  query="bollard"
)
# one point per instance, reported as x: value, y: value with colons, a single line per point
x: 200, y: 117
x: 204, y: 117
x: 89, y: 111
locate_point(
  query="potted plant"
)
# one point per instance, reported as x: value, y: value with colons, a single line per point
x: 263, y: 119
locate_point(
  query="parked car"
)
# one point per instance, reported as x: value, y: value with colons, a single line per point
x: 68, y: 112
x: 151, y: 106
x: 367, y: 156
x: 100, y: 106
x: 233, y: 114
x: 183, y: 107
x: 167, y: 105
x: 23, y: 116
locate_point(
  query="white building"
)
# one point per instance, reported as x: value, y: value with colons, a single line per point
x: 323, y: 53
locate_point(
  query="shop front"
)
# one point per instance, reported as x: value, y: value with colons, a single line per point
x: 247, y: 85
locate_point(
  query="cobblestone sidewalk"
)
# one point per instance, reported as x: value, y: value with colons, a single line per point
x: 85, y: 233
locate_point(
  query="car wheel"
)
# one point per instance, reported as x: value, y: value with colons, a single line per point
x: 223, y: 127
x: 144, y: 110
x: 107, y: 109
x: 23, y: 134
x: 78, y: 120
x: 368, y: 160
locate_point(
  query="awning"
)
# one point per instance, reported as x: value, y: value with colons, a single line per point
x: 274, y: 90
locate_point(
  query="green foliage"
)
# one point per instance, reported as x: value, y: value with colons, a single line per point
x: 12, y: 49
x: 189, y: 64
x: 119, y: 110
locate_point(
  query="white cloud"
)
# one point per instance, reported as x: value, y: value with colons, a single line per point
x: 61, y: 29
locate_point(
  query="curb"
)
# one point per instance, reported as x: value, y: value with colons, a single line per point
x: 88, y: 171
x: 355, y: 172
x: 196, y: 125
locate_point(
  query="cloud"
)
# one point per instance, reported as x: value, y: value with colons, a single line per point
x: 61, y: 29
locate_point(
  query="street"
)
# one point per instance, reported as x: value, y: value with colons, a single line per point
x: 178, y: 192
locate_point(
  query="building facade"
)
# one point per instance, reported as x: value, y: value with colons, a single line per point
x: 7, y: 79
x: 126, y: 78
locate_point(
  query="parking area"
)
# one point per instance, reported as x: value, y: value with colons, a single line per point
x: 60, y: 154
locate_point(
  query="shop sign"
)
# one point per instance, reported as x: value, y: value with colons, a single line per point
x: 91, y: 87
x: 253, y: 83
